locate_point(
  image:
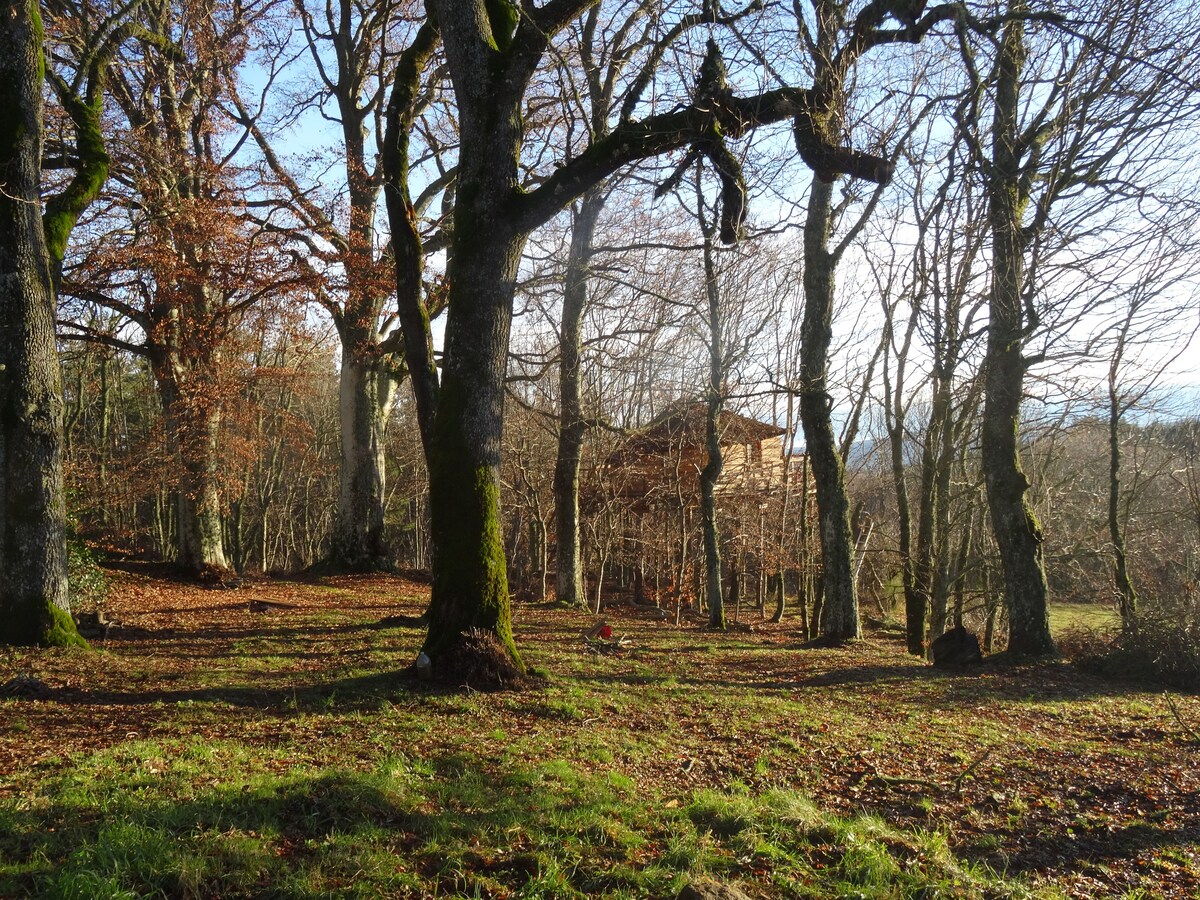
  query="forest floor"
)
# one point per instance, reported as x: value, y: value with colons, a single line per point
x: 217, y: 746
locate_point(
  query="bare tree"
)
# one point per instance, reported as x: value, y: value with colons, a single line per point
x: 492, y: 52
x: 369, y: 62
x: 1082, y: 109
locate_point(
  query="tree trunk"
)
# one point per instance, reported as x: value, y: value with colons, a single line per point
x: 34, y: 602
x: 414, y: 315
x: 1018, y: 536
x: 104, y: 441
x: 992, y: 605
x: 601, y: 562
x: 934, y: 486
x: 1126, y: 594
x: 569, y: 577
x: 198, y: 504
x: 715, y: 461
x: 933, y: 549
x: 365, y: 392
x: 802, y: 555
x: 839, y: 607
x: 470, y: 584
x: 192, y: 424
x: 915, y: 604
x: 958, y: 573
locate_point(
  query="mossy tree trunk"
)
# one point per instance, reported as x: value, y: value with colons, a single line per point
x: 1018, y: 535
x: 414, y: 312
x: 470, y: 584
x: 34, y: 602
x: 404, y: 105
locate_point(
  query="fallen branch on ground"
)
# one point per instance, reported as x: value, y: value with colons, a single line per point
x: 953, y: 789
x: 264, y: 605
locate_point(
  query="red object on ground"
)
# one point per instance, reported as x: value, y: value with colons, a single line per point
x: 606, y: 632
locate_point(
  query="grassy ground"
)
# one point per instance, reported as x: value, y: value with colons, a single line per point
x: 1064, y: 616
x: 206, y: 749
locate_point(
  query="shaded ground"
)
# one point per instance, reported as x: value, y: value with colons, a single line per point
x: 1063, y: 781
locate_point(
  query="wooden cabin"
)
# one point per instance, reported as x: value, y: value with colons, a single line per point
x: 662, y: 462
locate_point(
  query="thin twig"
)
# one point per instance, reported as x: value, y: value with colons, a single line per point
x: 975, y: 764
x: 1191, y: 732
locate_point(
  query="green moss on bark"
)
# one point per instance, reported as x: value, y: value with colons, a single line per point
x: 44, y: 625
x: 61, y: 630
x: 470, y: 582
x: 503, y: 16
x: 63, y: 210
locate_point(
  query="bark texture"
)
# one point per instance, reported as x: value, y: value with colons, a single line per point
x: 34, y: 603
x: 470, y: 582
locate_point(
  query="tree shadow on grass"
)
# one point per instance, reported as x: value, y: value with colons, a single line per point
x: 408, y: 828
x: 1057, y: 852
x: 919, y: 684
x: 349, y: 694
x: 218, y: 820
x: 212, y: 637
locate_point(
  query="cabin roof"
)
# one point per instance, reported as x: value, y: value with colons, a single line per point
x: 683, y: 425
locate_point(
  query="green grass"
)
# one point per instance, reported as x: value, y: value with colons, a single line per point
x: 167, y: 819
x: 282, y: 755
x: 1081, y: 615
